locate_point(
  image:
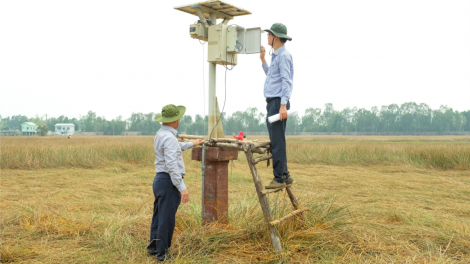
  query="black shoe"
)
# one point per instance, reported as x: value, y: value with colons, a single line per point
x: 289, y: 181
x: 167, y: 257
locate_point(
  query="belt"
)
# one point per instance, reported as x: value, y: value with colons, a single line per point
x: 270, y: 99
x: 164, y: 175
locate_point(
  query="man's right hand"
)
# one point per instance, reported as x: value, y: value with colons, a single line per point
x: 184, y: 196
x: 262, y: 54
x: 198, y: 142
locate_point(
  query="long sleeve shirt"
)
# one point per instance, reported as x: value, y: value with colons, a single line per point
x: 168, y: 155
x: 279, y: 76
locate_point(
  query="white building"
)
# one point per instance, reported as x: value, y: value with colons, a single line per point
x: 64, y: 129
x: 29, y: 128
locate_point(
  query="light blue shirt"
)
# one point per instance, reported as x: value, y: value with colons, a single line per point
x: 168, y: 155
x: 279, y: 76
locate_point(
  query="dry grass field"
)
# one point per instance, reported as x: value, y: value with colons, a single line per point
x: 372, y: 200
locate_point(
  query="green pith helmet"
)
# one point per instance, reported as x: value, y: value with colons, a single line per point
x: 170, y: 113
x: 279, y: 30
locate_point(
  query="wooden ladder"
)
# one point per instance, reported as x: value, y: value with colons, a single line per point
x: 250, y: 147
x: 263, y: 199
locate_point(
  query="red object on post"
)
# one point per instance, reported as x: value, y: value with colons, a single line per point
x: 215, y: 182
x: 240, y: 136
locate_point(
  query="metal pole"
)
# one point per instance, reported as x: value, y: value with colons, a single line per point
x: 203, y: 168
x: 212, y: 89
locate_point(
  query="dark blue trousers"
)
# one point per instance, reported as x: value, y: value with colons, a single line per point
x: 167, y: 200
x: 277, y: 136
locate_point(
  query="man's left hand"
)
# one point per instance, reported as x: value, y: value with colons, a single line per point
x: 283, y: 112
x: 198, y: 142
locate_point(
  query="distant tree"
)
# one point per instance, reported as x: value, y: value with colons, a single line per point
x: 143, y: 123
x: 37, y: 120
x: 408, y: 113
x: 89, y: 122
x: 185, y: 122
x: 42, y: 130
x: 347, y: 118
x: 408, y: 118
x: 389, y: 117
x: 4, y: 123
x: 293, y: 124
x: 51, y: 122
x: 16, y: 121
x: 197, y: 127
x: 311, y: 120
x: 466, y: 114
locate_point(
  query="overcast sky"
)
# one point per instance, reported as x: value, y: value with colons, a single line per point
x: 118, y: 57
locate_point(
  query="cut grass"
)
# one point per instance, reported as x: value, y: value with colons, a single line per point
x: 360, y: 212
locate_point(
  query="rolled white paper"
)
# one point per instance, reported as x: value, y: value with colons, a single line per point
x: 276, y: 117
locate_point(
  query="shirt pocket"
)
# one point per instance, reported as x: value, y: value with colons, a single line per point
x: 274, y: 69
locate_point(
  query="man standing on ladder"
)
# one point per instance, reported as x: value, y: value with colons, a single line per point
x: 277, y: 90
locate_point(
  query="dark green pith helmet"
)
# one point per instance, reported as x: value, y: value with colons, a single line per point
x: 170, y: 113
x: 279, y: 30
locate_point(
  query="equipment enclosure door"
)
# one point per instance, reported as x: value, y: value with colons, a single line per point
x: 253, y: 40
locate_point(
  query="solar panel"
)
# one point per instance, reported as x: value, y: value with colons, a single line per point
x: 222, y: 9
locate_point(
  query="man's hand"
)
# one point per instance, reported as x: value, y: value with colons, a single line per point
x: 184, y: 196
x: 198, y: 142
x: 283, y: 112
x: 262, y: 54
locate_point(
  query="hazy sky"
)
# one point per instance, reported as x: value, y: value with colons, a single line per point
x: 118, y: 57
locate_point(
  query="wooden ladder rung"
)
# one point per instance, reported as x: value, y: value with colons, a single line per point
x: 266, y: 191
x: 257, y: 160
x: 284, y: 218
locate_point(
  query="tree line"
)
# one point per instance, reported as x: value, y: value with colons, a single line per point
x: 408, y: 118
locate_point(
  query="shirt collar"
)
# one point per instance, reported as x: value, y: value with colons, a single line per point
x: 172, y: 130
x: 276, y: 52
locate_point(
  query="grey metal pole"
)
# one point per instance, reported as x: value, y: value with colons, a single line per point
x: 212, y: 89
x: 203, y: 168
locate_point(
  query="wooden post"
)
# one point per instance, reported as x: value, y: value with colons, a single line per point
x: 263, y: 200
x: 295, y: 204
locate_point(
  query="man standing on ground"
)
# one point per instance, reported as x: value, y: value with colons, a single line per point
x: 168, y: 186
x: 277, y: 90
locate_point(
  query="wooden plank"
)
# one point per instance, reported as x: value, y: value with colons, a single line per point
x: 215, y: 140
x: 266, y: 191
x: 190, y: 136
x: 263, y: 200
x: 257, y: 160
x: 262, y: 144
x: 220, y: 140
x: 284, y: 218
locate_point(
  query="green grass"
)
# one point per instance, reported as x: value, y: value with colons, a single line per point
x: 96, y: 152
